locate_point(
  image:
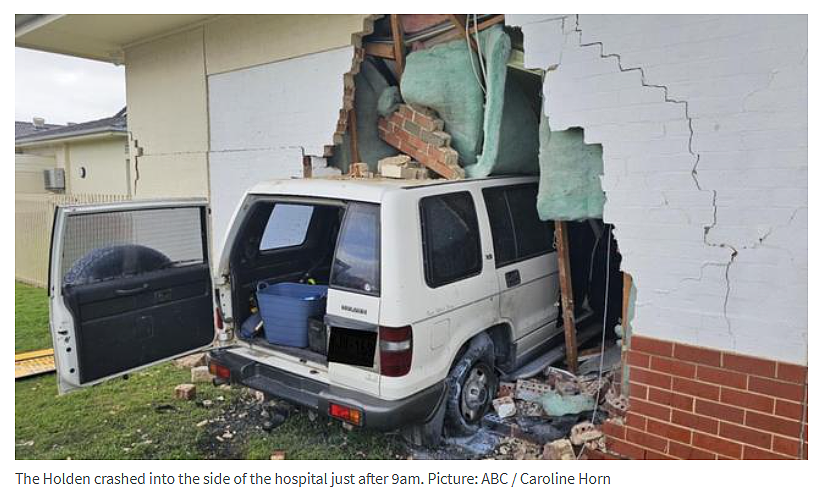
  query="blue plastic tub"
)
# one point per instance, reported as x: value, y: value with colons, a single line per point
x: 285, y: 308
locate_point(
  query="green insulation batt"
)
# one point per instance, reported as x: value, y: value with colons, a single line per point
x: 569, y: 187
x: 493, y: 135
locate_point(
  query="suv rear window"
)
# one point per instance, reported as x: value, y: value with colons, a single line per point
x: 357, y: 260
x: 451, y: 240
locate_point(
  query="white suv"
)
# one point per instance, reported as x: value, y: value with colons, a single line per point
x: 433, y: 287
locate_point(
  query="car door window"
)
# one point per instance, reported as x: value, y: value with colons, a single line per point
x: 451, y: 239
x: 103, y: 246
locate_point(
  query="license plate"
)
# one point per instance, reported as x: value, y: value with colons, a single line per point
x: 352, y: 346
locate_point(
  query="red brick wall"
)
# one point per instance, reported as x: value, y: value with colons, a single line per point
x: 688, y: 402
x: 419, y: 134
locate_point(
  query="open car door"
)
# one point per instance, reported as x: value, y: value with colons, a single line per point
x: 129, y: 286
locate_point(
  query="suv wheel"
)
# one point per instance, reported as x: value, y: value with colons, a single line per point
x: 472, y: 384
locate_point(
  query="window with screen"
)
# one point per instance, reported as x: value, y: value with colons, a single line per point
x: 102, y: 246
x: 287, y: 226
x: 357, y: 258
x: 517, y: 231
x: 451, y: 240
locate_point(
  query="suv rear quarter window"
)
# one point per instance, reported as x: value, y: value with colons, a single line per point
x: 357, y: 259
x: 517, y: 231
x: 451, y: 239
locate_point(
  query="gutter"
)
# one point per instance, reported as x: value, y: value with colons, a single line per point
x: 98, y: 133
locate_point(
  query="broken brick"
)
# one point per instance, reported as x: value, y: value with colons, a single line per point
x: 559, y: 450
x: 185, y: 391
x: 504, y: 406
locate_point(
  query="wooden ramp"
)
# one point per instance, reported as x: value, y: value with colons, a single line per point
x: 33, y: 363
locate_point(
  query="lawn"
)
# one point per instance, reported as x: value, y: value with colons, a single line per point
x: 138, y: 418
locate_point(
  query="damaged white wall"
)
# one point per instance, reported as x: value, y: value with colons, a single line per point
x: 264, y: 119
x: 703, y: 123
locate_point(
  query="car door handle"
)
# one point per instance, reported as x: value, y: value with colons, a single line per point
x: 513, y: 278
x: 132, y: 291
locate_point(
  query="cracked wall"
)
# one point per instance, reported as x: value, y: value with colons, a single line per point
x: 703, y: 122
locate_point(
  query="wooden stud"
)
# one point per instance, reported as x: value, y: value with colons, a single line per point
x: 460, y: 22
x: 627, y: 283
x: 399, y: 46
x: 352, y: 132
x: 563, y: 251
x: 382, y: 50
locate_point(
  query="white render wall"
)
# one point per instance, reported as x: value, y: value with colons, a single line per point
x: 703, y: 123
x: 265, y: 118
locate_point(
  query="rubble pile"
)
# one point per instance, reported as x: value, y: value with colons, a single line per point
x: 572, y: 405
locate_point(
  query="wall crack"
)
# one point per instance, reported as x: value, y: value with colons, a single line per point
x: 694, y: 173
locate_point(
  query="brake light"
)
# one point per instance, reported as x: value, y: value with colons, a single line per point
x: 218, y: 370
x: 220, y: 323
x: 344, y: 413
x: 395, y: 351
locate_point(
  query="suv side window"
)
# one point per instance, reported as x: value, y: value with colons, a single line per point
x: 517, y: 232
x: 451, y: 239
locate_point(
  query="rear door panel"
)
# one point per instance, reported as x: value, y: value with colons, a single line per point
x: 129, y: 287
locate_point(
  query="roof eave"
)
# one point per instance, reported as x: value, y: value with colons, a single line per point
x: 70, y: 137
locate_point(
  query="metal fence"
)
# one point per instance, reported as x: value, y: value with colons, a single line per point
x: 33, y: 217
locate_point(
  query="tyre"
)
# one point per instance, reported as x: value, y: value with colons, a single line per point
x: 472, y: 385
x: 114, y: 261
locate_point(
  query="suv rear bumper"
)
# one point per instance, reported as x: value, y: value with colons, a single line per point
x: 378, y: 414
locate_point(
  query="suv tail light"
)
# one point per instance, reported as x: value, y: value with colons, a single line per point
x: 345, y: 413
x: 395, y: 351
x: 218, y: 370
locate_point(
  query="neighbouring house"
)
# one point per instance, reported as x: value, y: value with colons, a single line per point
x: 54, y: 164
x: 687, y: 133
x: 91, y: 157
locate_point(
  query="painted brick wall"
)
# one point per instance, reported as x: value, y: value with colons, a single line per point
x: 703, y: 123
x: 696, y: 403
x: 419, y: 133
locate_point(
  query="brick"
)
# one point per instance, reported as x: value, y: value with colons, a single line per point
x: 397, y: 119
x: 650, y: 378
x: 698, y: 355
x: 773, y: 424
x: 683, y: 451
x: 695, y: 421
x: 652, y: 346
x: 787, y: 446
x: 635, y: 421
x: 638, y: 391
x: 791, y: 372
x: 749, y: 365
x: 185, y: 391
x: 647, y: 440
x: 649, y: 409
x: 637, y: 359
x: 696, y: 388
x: 614, y: 430
x: 671, y: 399
x: 674, y: 367
x: 722, y: 377
x: 719, y: 411
x: 780, y: 389
x: 717, y: 445
x: 406, y: 112
x: 625, y: 449
x: 412, y: 127
x: 747, y: 400
x: 653, y: 455
x: 450, y: 155
x: 755, y: 453
x: 669, y: 431
x: 745, y: 435
x: 787, y: 409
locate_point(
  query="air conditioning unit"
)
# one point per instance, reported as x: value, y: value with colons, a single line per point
x: 54, y: 179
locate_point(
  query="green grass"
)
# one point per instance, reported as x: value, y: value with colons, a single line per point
x: 138, y: 418
x: 31, y: 318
